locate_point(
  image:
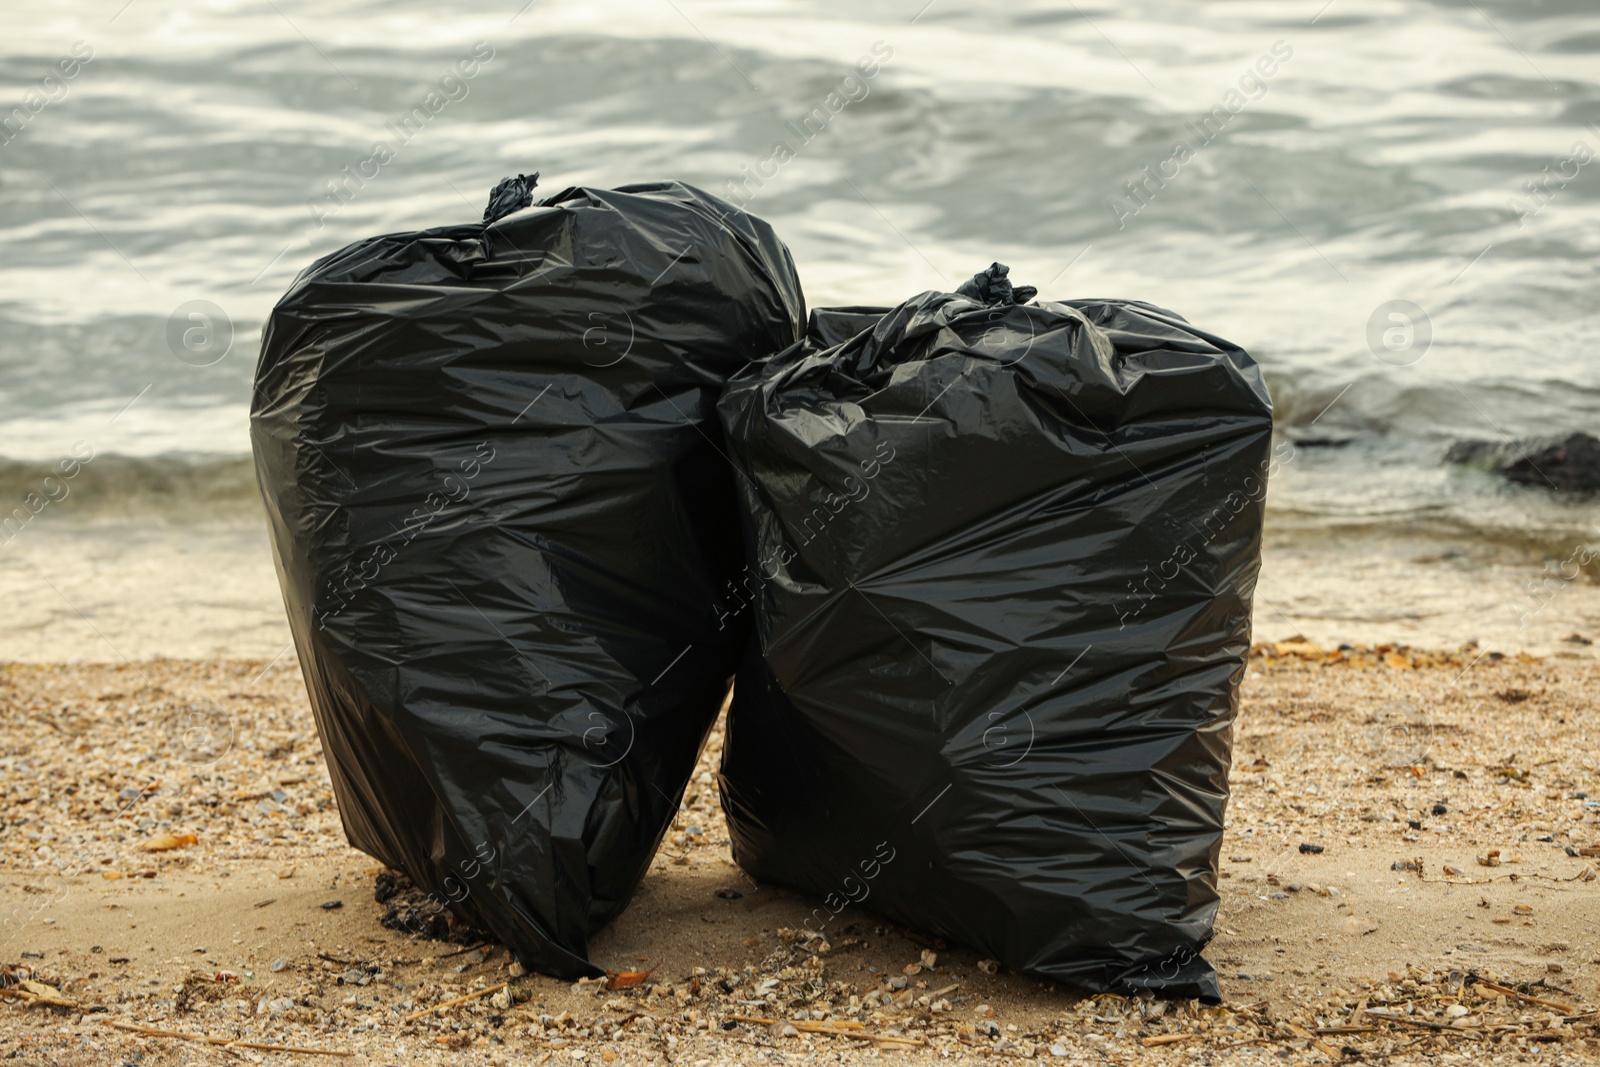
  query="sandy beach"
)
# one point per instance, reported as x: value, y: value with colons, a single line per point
x: 1409, y: 877
x: 264, y: 275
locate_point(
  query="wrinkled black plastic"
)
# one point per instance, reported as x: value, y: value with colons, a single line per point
x: 503, y: 532
x: 1001, y: 559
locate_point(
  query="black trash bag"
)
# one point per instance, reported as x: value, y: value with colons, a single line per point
x: 504, y: 531
x: 827, y: 327
x: 1001, y: 560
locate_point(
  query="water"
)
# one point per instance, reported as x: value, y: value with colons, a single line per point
x: 1384, y: 158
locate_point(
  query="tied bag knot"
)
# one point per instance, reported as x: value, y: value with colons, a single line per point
x: 993, y: 287
x: 512, y: 194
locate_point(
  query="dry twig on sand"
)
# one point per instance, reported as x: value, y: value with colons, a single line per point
x: 838, y: 1028
x: 224, y: 1042
x: 29, y: 996
x: 1553, y: 1005
x: 476, y: 993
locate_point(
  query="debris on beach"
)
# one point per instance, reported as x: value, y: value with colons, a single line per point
x: 410, y: 911
x: 1323, y: 757
x: 168, y: 842
x: 1395, y: 657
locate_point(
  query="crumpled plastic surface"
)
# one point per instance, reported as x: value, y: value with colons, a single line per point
x: 504, y: 534
x: 1001, y: 560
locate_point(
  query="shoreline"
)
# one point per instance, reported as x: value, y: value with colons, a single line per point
x: 138, y: 591
x: 1354, y: 754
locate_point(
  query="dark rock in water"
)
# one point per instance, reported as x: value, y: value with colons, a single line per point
x: 1570, y: 463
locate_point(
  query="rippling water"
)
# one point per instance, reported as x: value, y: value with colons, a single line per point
x: 1334, y: 157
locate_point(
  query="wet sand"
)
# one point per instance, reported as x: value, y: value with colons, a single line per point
x: 103, y: 592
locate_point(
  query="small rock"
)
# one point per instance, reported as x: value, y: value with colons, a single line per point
x: 783, y: 1028
x: 1308, y: 849
x: 1570, y: 464
x: 330, y: 905
x: 278, y: 965
x: 1058, y: 1049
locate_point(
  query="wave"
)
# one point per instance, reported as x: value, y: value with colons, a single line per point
x: 170, y: 488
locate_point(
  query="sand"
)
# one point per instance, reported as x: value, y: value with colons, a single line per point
x: 1404, y: 769
x: 109, y: 591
